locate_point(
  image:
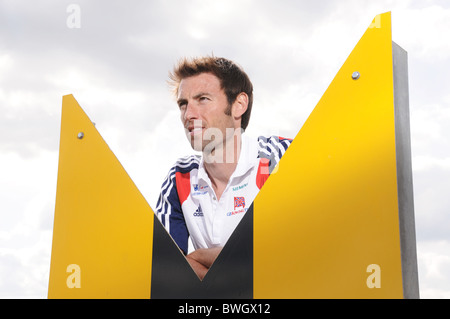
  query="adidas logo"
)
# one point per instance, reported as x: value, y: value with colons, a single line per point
x: 198, y: 212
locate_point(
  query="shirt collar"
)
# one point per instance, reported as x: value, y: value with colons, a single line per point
x: 247, y: 159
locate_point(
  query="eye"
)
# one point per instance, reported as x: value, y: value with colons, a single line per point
x: 182, y: 104
x: 203, y: 99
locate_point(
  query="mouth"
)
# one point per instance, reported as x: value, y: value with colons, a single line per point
x: 194, y: 130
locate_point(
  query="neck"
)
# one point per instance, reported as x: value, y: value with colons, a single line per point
x: 222, y: 161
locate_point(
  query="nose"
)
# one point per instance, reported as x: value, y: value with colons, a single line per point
x: 190, y: 112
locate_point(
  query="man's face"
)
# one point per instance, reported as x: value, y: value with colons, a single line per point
x: 203, y: 104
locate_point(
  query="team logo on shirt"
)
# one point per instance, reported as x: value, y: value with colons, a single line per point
x: 238, y: 188
x: 239, y: 206
x: 198, y: 212
x: 239, y: 202
x: 200, y: 190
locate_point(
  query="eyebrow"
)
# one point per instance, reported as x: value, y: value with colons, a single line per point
x: 199, y: 95
x: 195, y: 97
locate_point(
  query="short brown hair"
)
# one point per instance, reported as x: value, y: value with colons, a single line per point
x: 233, y: 79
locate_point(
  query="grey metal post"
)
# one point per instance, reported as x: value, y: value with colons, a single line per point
x: 404, y: 174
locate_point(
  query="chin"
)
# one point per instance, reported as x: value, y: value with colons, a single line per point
x: 196, y: 145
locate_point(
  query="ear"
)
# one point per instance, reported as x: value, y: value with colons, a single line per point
x: 240, y: 105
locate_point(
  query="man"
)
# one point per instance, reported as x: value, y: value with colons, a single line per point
x: 205, y: 197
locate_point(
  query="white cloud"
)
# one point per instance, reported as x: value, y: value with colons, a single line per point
x: 420, y: 29
x: 428, y: 162
x: 434, y: 269
x: 27, y: 195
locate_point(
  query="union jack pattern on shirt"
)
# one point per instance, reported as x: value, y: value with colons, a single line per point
x: 239, y: 202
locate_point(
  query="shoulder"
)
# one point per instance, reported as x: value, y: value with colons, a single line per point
x: 182, y: 165
x: 273, y: 144
x: 185, y: 164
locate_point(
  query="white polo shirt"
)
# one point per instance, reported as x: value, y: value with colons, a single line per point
x: 188, y: 205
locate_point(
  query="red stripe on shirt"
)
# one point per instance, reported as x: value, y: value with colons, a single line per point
x: 263, y: 172
x: 183, y: 181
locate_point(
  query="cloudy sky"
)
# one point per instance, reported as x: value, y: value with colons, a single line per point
x: 116, y: 60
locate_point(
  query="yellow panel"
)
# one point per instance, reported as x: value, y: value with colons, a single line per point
x: 103, y: 227
x: 330, y: 212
